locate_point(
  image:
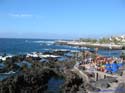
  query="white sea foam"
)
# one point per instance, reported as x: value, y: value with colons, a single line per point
x: 61, y: 50
x: 10, y: 72
x: 47, y: 42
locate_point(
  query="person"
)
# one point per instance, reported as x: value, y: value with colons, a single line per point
x: 92, y: 67
x: 85, y: 61
x: 108, y: 67
x: 87, y: 66
x: 114, y: 67
x: 121, y: 67
x: 120, y: 64
x: 90, y: 59
x: 102, y: 66
x: 98, y: 65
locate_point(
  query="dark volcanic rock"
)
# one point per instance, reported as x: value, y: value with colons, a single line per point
x: 72, y: 83
x: 35, y: 79
x: 27, y: 83
x: 75, y: 84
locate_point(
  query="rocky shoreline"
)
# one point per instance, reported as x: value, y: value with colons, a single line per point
x: 91, y: 45
x: 32, y: 82
x: 33, y: 76
x: 30, y: 75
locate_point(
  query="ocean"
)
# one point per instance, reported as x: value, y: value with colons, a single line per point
x: 24, y: 46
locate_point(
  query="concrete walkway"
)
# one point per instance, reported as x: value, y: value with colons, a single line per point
x: 112, y: 89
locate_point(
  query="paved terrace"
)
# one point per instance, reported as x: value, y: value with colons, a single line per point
x: 100, y: 75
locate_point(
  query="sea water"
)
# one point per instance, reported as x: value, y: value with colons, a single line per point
x: 23, y: 46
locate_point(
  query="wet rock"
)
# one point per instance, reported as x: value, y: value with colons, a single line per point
x: 72, y: 83
x: 35, y: 79
x: 27, y: 82
x: 75, y: 84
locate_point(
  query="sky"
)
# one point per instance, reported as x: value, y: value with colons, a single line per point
x: 61, y: 19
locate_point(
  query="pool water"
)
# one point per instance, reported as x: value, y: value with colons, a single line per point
x: 54, y: 85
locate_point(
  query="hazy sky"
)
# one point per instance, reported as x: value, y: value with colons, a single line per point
x: 61, y: 18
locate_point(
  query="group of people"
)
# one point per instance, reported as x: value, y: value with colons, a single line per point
x: 104, y: 64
